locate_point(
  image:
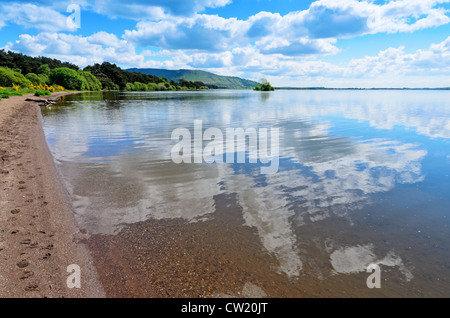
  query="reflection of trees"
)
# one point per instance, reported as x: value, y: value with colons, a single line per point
x: 264, y: 96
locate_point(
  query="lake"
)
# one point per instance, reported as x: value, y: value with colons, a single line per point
x: 362, y: 178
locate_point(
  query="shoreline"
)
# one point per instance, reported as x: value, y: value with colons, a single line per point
x: 39, y: 236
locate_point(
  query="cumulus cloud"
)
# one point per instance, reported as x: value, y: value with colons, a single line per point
x: 77, y: 49
x: 201, y: 32
x: 282, y: 48
x: 135, y: 9
x: 307, y: 32
x: 139, y: 10
x: 300, y: 47
x: 394, y: 60
x: 32, y: 16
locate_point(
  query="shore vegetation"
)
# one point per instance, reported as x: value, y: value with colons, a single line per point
x: 21, y: 74
x: 264, y: 86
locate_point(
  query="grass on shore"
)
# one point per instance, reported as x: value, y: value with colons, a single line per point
x: 6, y: 92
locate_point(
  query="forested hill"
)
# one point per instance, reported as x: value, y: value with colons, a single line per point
x: 27, y: 64
x: 18, y: 70
x: 197, y: 75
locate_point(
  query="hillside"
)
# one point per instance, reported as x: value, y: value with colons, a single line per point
x: 197, y: 75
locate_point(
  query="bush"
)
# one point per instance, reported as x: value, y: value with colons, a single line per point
x: 92, y: 83
x: 137, y: 87
x: 140, y: 87
x: 6, y: 92
x: 35, y: 79
x: 43, y: 78
x: 8, y: 78
x: 129, y: 87
x: 265, y: 86
x: 42, y: 93
x: 68, y: 78
x: 152, y: 86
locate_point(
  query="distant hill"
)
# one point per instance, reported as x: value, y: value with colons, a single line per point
x: 197, y: 75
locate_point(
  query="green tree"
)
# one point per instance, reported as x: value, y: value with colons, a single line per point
x: 35, y: 79
x: 152, y: 86
x: 8, y: 78
x: 44, y: 78
x: 106, y: 82
x: 91, y: 82
x: 68, y: 78
x: 130, y: 87
x: 264, y: 86
x: 44, y: 69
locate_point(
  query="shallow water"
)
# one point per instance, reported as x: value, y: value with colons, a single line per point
x: 363, y: 179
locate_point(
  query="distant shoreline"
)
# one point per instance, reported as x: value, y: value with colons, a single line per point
x: 365, y: 89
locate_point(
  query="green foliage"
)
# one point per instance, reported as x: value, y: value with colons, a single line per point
x: 42, y: 93
x: 118, y: 76
x: 106, y: 82
x: 140, y: 87
x: 76, y: 80
x: 44, y: 79
x: 68, y: 78
x: 28, y: 64
x: 44, y: 69
x: 210, y: 80
x: 91, y: 82
x: 36, y: 79
x: 8, y: 78
x: 152, y: 86
x: 265, y: 86
x: 5, y: 93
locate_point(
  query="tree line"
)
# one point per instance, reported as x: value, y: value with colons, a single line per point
x: 25, y: 71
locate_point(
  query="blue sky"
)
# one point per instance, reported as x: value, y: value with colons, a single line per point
x: 335, y: 43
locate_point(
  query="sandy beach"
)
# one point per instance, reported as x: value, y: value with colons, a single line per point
x: 39, y: 237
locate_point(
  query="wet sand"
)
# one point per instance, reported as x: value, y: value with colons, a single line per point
x: 39, y: 237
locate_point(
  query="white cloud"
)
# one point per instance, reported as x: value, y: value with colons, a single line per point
x: 284, y: 49
x: 436, y: 59
x: 135, y: 9
x: 77, y: 49
x: 307, y: 32
x: 32, y: 16
x: 200, y: 32
x: 153, y: 8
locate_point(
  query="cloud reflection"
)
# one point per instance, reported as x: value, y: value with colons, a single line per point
x: 321, y: 175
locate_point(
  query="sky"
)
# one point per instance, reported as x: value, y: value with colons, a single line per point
x: 330, y: 43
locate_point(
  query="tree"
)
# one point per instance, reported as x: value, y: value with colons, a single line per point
x: 265, y: 86
x: 35, y: 79
x: 68, y: 78
x: 28, y: 64
x: 8, y: 78
x: 92, y: 83
x: 106, y: 82
x: 44, y: 69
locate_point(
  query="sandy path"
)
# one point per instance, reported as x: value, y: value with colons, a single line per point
x: 39, y: 238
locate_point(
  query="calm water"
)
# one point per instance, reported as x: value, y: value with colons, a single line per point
x: 363, y: 179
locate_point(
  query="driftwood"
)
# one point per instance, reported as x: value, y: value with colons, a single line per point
x: 44, y: 101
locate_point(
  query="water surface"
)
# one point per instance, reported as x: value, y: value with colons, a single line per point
x: 363, y: 179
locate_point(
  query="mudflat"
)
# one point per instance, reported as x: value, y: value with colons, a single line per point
x: 39, y: 237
